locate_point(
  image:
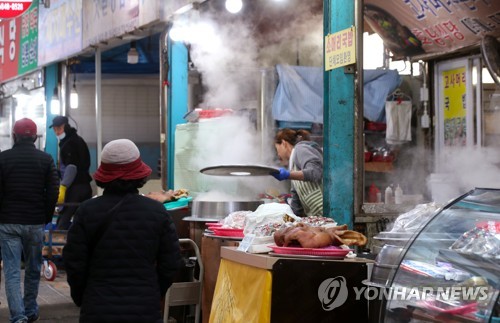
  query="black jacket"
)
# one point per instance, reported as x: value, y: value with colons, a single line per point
x: 121, y: 275
x: 29, y: 185
x: 74, y: 151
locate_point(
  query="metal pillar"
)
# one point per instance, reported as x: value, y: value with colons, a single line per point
x: 98, y: 104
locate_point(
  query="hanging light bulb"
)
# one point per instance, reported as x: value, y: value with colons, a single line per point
x: 234, y: 6
x: 55, y: 104
x: 73, y: 96
x: 133, y: 54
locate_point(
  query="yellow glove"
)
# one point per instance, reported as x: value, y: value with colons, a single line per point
x: 62, y: 194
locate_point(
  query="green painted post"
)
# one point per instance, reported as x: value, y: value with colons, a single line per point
x: 339, y: 120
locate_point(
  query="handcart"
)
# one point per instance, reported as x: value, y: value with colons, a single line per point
x: 53, y: 243
x: 186, y: 293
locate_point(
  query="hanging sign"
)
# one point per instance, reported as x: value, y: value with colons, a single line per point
x: 455, y: 110
x: 13, y: 8
x: 19, y: 44
x: 340, y: 48
x: 423, y: 28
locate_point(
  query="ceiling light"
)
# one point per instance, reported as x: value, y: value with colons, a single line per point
x: 234, y: 6
x: 73, y: 96
x: 133, y: 54
x: 55, y: 104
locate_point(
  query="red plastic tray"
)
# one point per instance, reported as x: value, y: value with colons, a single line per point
x: 214, y: 225
x: 327, y: 251
x: 463, y: 309
x: 228, y: 232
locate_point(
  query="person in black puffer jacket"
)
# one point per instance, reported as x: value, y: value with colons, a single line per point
x: 122, y: 250
x: 74, y: 165
x: 28, y: 195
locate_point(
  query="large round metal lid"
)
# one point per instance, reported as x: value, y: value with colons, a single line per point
x: 490, y: 50
x: 239, y: 170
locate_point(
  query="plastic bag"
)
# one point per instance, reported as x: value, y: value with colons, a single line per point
x: 268, y: 213
x: 412, y: 220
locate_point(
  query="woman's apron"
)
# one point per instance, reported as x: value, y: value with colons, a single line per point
x: 310, y: 193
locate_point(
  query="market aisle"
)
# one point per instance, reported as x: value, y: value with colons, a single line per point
x: 54, y: 300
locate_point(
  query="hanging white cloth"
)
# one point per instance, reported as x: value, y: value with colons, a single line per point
x: 398, y: 115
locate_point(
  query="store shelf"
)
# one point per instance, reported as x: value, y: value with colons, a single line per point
x: 469, y: 261
x: 379, y: 167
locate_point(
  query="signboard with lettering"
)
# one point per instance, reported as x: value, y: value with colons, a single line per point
x: 19, y: 44
x: 455, y: 112
x: 13, y: 8
x: 417, y: 28
x: 340, y: 49
x: 104, y: 20
x: 28, y: 47
x: 59, y: 31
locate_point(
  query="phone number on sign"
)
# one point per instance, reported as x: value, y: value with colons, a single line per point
x: 12, y: 6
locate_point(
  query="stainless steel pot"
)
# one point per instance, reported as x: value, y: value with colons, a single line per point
x: 216, y: 210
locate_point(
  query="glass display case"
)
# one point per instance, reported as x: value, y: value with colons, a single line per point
x: 455, y: 278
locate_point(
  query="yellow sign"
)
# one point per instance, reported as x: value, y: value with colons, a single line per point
x: 455, y: 112
x: 340, y: 49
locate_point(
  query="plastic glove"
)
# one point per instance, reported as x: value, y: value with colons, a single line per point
x: 282, y: 174
x: 62, y: 194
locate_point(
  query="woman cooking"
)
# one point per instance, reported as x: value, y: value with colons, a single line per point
x: 305, y: 169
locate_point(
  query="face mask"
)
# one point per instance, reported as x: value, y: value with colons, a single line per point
x: 61, y: 136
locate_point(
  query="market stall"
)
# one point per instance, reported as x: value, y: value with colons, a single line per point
x: 278, y: 259
x: 264, y: 288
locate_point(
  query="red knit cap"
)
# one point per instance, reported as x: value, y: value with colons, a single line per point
x: 120, y: 159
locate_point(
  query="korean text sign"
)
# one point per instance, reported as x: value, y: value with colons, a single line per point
x: 340, y: 48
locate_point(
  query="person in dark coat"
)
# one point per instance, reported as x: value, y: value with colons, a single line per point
x: 122, y: 250
x: 74, y: 165
x: 28, y: 194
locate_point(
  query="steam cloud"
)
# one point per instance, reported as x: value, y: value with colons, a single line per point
x: 230, y: 54
x: 466, y: 168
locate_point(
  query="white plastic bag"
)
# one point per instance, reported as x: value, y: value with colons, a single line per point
x: 268, y: 213
x: 412, y: 220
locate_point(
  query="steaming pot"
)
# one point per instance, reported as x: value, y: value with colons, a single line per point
x: 217, y: 210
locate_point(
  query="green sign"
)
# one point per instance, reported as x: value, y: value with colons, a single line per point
x: 28, y: 46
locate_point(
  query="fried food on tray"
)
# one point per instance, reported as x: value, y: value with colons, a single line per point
x: 161, y: 196
x: 181, y: 192
x: 168, y: 196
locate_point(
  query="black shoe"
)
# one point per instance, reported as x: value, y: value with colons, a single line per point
x: 33, y: 318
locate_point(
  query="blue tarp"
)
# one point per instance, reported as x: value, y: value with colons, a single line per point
x: 377, y: 85
x: 299, y: 95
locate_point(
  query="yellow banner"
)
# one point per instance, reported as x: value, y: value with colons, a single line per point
x: 455, y: 112
x: 340, y: 48
x: 242, y: 294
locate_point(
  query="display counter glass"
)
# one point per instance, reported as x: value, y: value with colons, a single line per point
x: 456, y: 277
